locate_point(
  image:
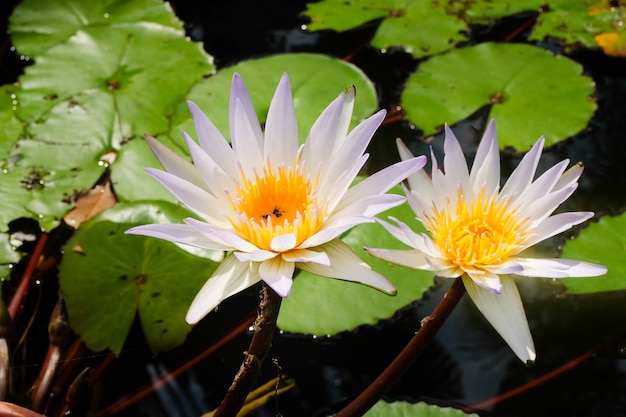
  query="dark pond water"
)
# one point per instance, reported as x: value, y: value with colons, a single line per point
x: 468, y: 363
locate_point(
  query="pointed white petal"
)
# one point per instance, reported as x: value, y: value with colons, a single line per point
x: 215, y: 179
x: 177, y: 233
x: 405, y: 257
x: 556, y: 224
x: 248, y: 149
x: 347, y: 266
x: 419, y: 181
x: 544, y: 206
x: 454, y: 163
x: 486, y: 167
x: 323, y: 137
x: 524, y: 173
x: 542, y: 185
x: 225, y: 237
x: 281, y: 128
x: 306, y: 255
x: 278, y: 274
x: 230, y: 278
x: 569, y: 177
x: 213, y: 142
x: 239, y: 93
x: 558, y: 268
x: 174, y: 163
x: 197, y: 199
x: 381, y: 181
x: 506, y: 314
x: 368, y: 206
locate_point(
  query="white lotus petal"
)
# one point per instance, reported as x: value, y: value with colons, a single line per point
x: 283, y: 243
x: 195, y: 198
x: 558, y: 268
x: 213, y: 142
x: 523, y: 174
x: 306, y: 255
x: 486, y: 167
x: 486, y: 279
x: 366, y: 207
x: 324, y: 136
x: 454, y: 163
x: 569, y: 177
x: 257, y: 256
x: 347, y: 266
x: 419, y: 181
x: 226, y: 237
x: 381, y: 181
x: 544, y: 206
x: 239, y: 94
x: 556, y: 224
x: 542, y: 185
x: 281, y: 128
x: 245, y: 145
x: 174, y: 163
x: 230, y: 278
x: 177, y: 233
x: 215, y: 179
x: 506, y: 314
x: 278, y: 274
x: 411, y: 258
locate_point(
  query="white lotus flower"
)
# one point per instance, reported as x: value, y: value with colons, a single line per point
x: 275, y: 205
x: 477, y: 229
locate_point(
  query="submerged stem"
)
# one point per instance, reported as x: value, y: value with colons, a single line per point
x: 264, y: 327
x: 430, y: 325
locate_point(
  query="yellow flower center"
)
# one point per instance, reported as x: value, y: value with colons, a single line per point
x: 478, y: 234
x: 281, y: 200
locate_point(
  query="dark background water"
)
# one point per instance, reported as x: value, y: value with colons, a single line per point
x: 468, y: 363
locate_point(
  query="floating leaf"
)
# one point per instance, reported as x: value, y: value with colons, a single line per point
x: 404, y: 409
x: 531, y: 91
x: 92, y: 92
x: 90, y: 204
x: 612, y: 43
x: 37, y: 25
x: 106, y: 277
x: 570, y: 22
x: 422, y: 28
x: 316, y: 80
x: 603, y: 243
x: 324, y: 306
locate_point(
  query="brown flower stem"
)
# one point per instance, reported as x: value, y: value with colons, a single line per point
x: 264, y: 327
x: 430, y: 325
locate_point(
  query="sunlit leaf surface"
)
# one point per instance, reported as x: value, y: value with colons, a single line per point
x: 604, y: 243
x: 108, y: 277
x: 531, y: 92
x: 323, y: 306
x: 404, y: 409
x: 39, y: 24
x: 422, y: 28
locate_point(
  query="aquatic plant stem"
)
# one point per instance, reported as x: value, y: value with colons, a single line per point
x: 264, y: 327
x: 430, y: 325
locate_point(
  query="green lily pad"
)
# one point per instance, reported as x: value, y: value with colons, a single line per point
x: 531, y: 92
x: 107, y: 277
x: 37, y: 25
x: 11, y: 125
x: 422, y: 28
x: 324, y: 306
x: 602, y: 243
x: 87, y: 97
x: 316, y: 80
x: 404, y: 409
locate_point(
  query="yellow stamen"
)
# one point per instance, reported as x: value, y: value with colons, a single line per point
x: 480, y: 233
x: 280, y: 200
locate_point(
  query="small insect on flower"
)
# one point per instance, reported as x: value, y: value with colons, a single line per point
x: 477, y: 229
x: 274, y: 205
